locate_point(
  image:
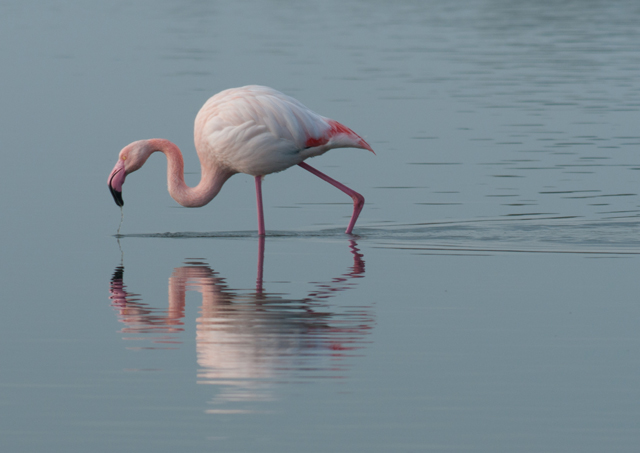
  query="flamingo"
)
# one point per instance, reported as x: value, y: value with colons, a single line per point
x: 254, y: 130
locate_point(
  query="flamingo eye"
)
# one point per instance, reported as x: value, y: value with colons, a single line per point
x: 124, y: 157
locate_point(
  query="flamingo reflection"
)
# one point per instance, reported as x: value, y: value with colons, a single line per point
x: 245, y: 340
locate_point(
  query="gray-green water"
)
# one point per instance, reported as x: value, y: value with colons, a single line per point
x: 487, y: 302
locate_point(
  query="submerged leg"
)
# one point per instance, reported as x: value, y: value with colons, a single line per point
x: 358, y: 200
x: 259, y: 203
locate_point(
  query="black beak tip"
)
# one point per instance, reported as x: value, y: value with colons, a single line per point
x: 117, y: 196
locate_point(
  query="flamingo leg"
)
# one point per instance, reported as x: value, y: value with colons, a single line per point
x: 261, y: 231
x: 259, y: 289
x: 358, y: 200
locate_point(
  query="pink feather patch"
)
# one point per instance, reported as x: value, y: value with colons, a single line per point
x: 336, y: 129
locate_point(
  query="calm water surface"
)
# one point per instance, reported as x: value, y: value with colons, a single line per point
x: 488, y: 300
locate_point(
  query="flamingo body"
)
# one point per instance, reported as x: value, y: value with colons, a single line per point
x: 254, y: 130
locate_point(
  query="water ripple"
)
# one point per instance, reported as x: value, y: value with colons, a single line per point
x: 528, y: 232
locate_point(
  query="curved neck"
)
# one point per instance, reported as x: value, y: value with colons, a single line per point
x: 211, y: 179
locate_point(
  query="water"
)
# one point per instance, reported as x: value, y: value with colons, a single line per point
x: 486, y: 302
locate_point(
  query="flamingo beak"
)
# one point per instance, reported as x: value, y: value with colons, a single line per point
x: 115, y: 181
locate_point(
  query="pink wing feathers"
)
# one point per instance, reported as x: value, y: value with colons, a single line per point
x: 338, y: 136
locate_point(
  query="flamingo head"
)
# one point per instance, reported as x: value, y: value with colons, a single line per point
x: 131, y: 158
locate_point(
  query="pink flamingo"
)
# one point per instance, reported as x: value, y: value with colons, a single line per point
x: 254, y: 130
